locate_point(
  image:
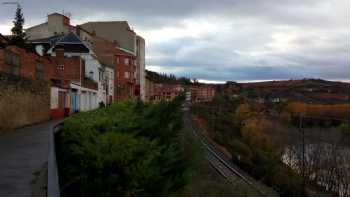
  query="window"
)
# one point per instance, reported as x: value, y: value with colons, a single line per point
x: 60, y: 67
x: 39, y: 70
x: 14, y: 61
x: 127, y: 75
x: 117, y: 59
x: 126, y: 61
x: 91, y: 74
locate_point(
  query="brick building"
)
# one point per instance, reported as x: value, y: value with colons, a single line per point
x: 201, y: 92
x: 23, y: 62
x: 125, y: 75
x: 126, y: 40
x: 123, y: 64
x: 74, y: 77
x: 166, y: 92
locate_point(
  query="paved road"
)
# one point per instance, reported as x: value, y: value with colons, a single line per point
x: 23, y: 152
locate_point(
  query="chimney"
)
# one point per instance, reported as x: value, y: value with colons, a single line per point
x: 59, y: 50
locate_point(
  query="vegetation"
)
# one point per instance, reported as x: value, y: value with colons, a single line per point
x: 128, y: 149
x: 268, y: 140
x: 241, y: 129
x: 165, y: 78
x: 18, y: 33
x: 325, y: 115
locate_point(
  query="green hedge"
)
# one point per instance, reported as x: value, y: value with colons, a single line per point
x: 128, y: 149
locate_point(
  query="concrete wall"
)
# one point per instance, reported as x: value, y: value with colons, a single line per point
x: 39, y: 31
x: 23, y: 102
x: 114, y: 31
x: 56, y: 24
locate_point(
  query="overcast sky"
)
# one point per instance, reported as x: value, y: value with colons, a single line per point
x: 221, y: 40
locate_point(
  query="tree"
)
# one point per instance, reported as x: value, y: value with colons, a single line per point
x: 19, y: 35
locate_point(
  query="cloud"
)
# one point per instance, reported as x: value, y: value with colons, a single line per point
x: 226, y: 40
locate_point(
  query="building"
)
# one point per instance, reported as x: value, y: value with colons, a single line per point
x: 149, y: 89
x: 126, y: 40
x: 23, y: 62
x: 141, y: 67
x: 104, y: 52
x: 75, y: 76
x: 125, y: 76
x: 57, y: 24
x: 117, y: 32
x: 166, y: 92
x: 201, y: 92
x: 123, y: 64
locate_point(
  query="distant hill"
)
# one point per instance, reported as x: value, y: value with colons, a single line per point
x: 307, y: 90
x: 167, y: 78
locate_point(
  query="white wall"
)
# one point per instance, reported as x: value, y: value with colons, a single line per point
x: 54, y: 98
x: 110, y: 73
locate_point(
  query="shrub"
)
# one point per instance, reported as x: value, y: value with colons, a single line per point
x: 128, y: 149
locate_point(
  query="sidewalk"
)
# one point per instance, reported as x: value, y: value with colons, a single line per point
x: 23, y: 153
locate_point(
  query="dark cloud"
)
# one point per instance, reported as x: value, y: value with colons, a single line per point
x: 226, y: 39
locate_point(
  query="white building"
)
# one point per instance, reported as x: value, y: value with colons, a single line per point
x: 75, y: 63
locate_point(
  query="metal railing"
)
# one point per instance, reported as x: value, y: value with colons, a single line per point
x: 53, y: 186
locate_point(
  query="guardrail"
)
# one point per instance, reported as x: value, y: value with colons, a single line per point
x: 53, y: 186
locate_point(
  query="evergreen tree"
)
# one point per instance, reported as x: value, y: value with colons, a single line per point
x: 17, y: 30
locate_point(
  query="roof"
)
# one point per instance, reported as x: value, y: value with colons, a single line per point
x: 50, y: 40
x: 70, y: 38
x: 70, y: 42
x: 90, y: 26
x: 35, y: 26
x: 3, y: 40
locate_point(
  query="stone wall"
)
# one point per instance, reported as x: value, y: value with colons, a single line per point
x: 22, y: 102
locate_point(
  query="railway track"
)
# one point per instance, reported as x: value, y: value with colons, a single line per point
x: 221, y: 163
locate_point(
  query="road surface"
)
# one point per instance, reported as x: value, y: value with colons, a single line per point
x: 23, y: 154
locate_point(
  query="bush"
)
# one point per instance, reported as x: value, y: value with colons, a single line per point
x: 128, y: 149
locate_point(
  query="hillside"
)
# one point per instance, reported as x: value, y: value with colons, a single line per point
x: 306, y: 90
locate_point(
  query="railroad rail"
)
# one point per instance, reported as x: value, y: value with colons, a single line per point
x: 220, y: 161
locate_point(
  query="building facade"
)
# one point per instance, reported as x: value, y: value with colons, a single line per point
x: 75, y: 79
x: 201, y: 92
x: 57, y: 24
x: 126, y: 40
x: 166, y: 92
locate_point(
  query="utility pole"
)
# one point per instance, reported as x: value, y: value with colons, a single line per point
x: 302, y: 131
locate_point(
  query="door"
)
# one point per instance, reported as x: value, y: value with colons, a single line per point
x: 73, y: 101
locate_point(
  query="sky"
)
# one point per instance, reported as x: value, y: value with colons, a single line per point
x: 221, y: 40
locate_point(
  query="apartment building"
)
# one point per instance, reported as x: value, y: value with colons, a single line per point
x: 201, y: 92
x: 126, y: 40
x: 166, y: 92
